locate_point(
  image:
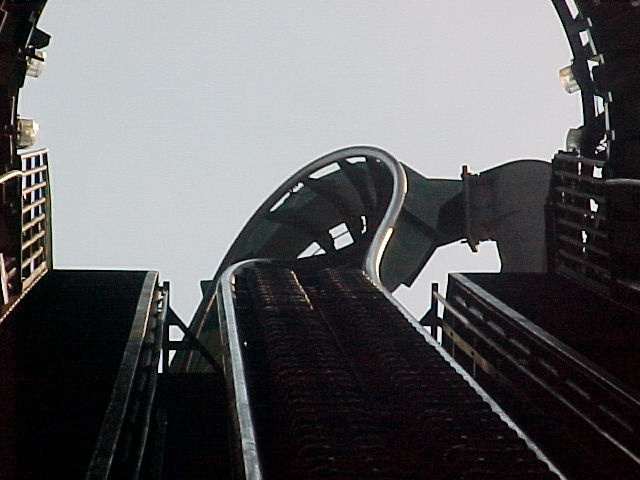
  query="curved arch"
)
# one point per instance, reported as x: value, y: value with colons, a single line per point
x: 381, y: 185
x: 368, y: 183
x: 605, y: 38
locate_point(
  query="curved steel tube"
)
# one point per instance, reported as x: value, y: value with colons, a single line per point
x: 238, y: 249
x: 224, y: 291
x: 371, y: 257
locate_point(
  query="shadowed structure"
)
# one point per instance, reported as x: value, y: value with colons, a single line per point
x: 299, y: 362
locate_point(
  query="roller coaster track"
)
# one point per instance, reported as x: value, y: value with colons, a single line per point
x: 364, y: 191
x: 328, y: 376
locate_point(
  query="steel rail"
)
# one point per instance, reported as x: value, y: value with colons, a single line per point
x: 374, y: 250
x: 32, y: 223
x: 234, y: 362
x: 234, y: 369
x: 234, y: 366
x: 103, y: 455
x: 529, y: 339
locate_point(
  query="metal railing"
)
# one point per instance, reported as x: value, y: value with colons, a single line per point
x: 121, y: 443
x: 580, y: 246
x: 26, y: 250
x: 36, y: 251
x: 499, y: 342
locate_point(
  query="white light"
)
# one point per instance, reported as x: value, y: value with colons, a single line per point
x: 35, y: 66
x: 27, y: 132
x: 568, y: 80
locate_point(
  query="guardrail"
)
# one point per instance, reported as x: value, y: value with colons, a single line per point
x: 492, y: 339
x: 121, y: 443
x: 25, y: 227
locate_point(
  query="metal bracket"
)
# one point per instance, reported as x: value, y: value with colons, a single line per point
x: 188, y: 342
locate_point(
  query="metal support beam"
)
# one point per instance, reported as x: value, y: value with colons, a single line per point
x: 189, y: 343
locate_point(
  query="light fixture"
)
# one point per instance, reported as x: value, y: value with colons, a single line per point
x: 568, y: 80
x: 35, y: 63
x: 27, y: 132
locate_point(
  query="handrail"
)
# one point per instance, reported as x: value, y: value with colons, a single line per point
x: 132, y: 363
x: 220, y: 298
x: 236, y: 380
x: 11, y: 175
x: 373, y: 253
x: 591, y: 393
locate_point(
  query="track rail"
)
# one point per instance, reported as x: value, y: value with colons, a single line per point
x: 330, y: 380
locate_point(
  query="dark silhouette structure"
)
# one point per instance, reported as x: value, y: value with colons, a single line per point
x: 299, y: 362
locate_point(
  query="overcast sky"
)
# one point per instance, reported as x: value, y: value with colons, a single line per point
x: 169, y: 122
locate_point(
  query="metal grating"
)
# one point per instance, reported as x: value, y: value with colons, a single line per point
x: 580, y: 248
x: 36, y: 211
x: 341, y: 385
x: 25, y: 229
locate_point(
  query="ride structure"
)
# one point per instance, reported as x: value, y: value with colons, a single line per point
x: 299, y: 362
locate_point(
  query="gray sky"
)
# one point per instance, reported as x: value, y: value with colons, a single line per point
x: 169, y: 122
